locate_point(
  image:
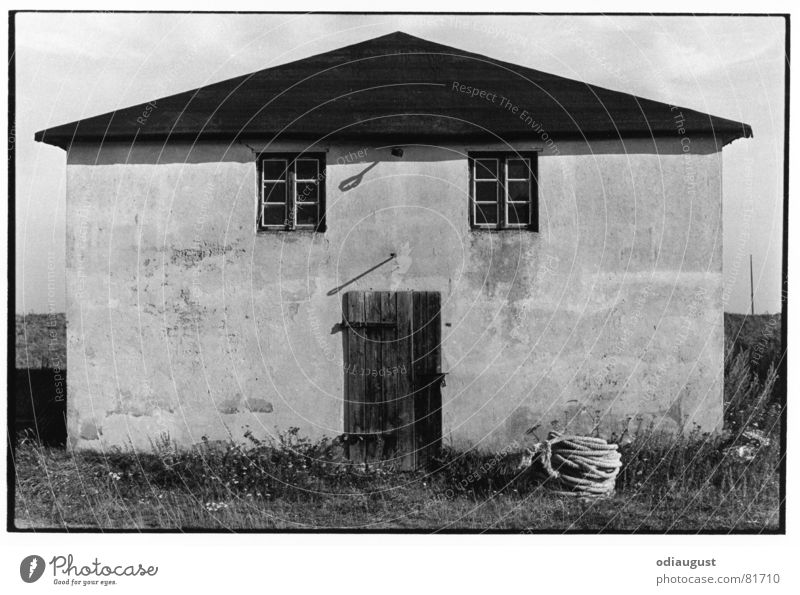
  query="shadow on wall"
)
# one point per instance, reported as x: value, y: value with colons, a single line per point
x: 350, y: 152
x: 40, y: 403
x: 353, y: 181
x: 336, y: 290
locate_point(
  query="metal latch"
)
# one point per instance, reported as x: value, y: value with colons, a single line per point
x: 347, y: 323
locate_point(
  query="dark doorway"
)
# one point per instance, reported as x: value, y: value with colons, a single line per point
x: 392, y: 376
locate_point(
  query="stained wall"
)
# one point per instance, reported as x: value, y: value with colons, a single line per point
x: 185, y: 322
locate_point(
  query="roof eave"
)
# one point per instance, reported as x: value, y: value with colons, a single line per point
x: 64, y: 141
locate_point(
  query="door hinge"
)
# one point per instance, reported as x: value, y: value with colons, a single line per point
x: 347, y: 323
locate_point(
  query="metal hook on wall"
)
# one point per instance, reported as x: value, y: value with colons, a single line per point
x: 336, y: 290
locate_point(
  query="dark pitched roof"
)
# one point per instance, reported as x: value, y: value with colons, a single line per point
x: 396, y: 86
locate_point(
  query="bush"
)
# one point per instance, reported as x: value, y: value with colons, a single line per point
x: 759, y: 334
x: 662, y: 464
x: 749, y: 402
x: 745, y: 456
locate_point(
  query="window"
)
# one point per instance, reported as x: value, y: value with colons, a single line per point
x: 292, y: 194
x: 503, y: 193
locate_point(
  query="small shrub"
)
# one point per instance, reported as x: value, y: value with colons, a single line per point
x: 745, y: 457
x: 758, y: 334
x: 749, y: 402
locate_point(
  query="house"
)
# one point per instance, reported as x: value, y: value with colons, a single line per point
x: 399, y: 241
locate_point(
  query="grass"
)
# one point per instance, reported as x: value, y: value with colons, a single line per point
x: 687, y: 485
x: 58, y: 490
x: 692, y: 482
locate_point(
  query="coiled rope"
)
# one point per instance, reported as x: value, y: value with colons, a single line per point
x: 577, y: 465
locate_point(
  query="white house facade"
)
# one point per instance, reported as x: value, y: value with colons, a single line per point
x: 407, y: 274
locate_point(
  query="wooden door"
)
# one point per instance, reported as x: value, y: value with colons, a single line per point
x: 392, y: 376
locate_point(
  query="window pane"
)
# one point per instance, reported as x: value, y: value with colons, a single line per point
x: 306, y: 169
x: 518, y: 213
x: 486, y: 191
x: 274, y: 169
x: 519, y: 191
x: 274, y: 192
x: 306, y: 192
x: 486, y: 169
x: 485, y: 214
x: 306, y: 214
x: 274, y: 215
x: 518, y: 168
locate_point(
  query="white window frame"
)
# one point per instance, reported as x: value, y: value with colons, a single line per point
x: 501, y: 159
x: 289, y: 162
x: 476, y: 202
x: 263, y: 199
x: 508, y: 200
x: 315, y: 180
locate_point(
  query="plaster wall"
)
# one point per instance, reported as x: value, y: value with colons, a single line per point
x: 184, y: 321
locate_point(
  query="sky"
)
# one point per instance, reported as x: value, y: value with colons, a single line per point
x: 72, y: 66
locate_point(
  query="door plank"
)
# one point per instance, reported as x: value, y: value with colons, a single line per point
x: 405, y: 382
x: 427, y: 366
x: 372, y: 379
x: 356, y: 355
x: 389, y: 384
x: 346, y: 363
x: 435, y: 367
x: 420, y: 380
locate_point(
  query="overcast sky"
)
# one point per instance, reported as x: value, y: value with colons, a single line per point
x: 71, y: 66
